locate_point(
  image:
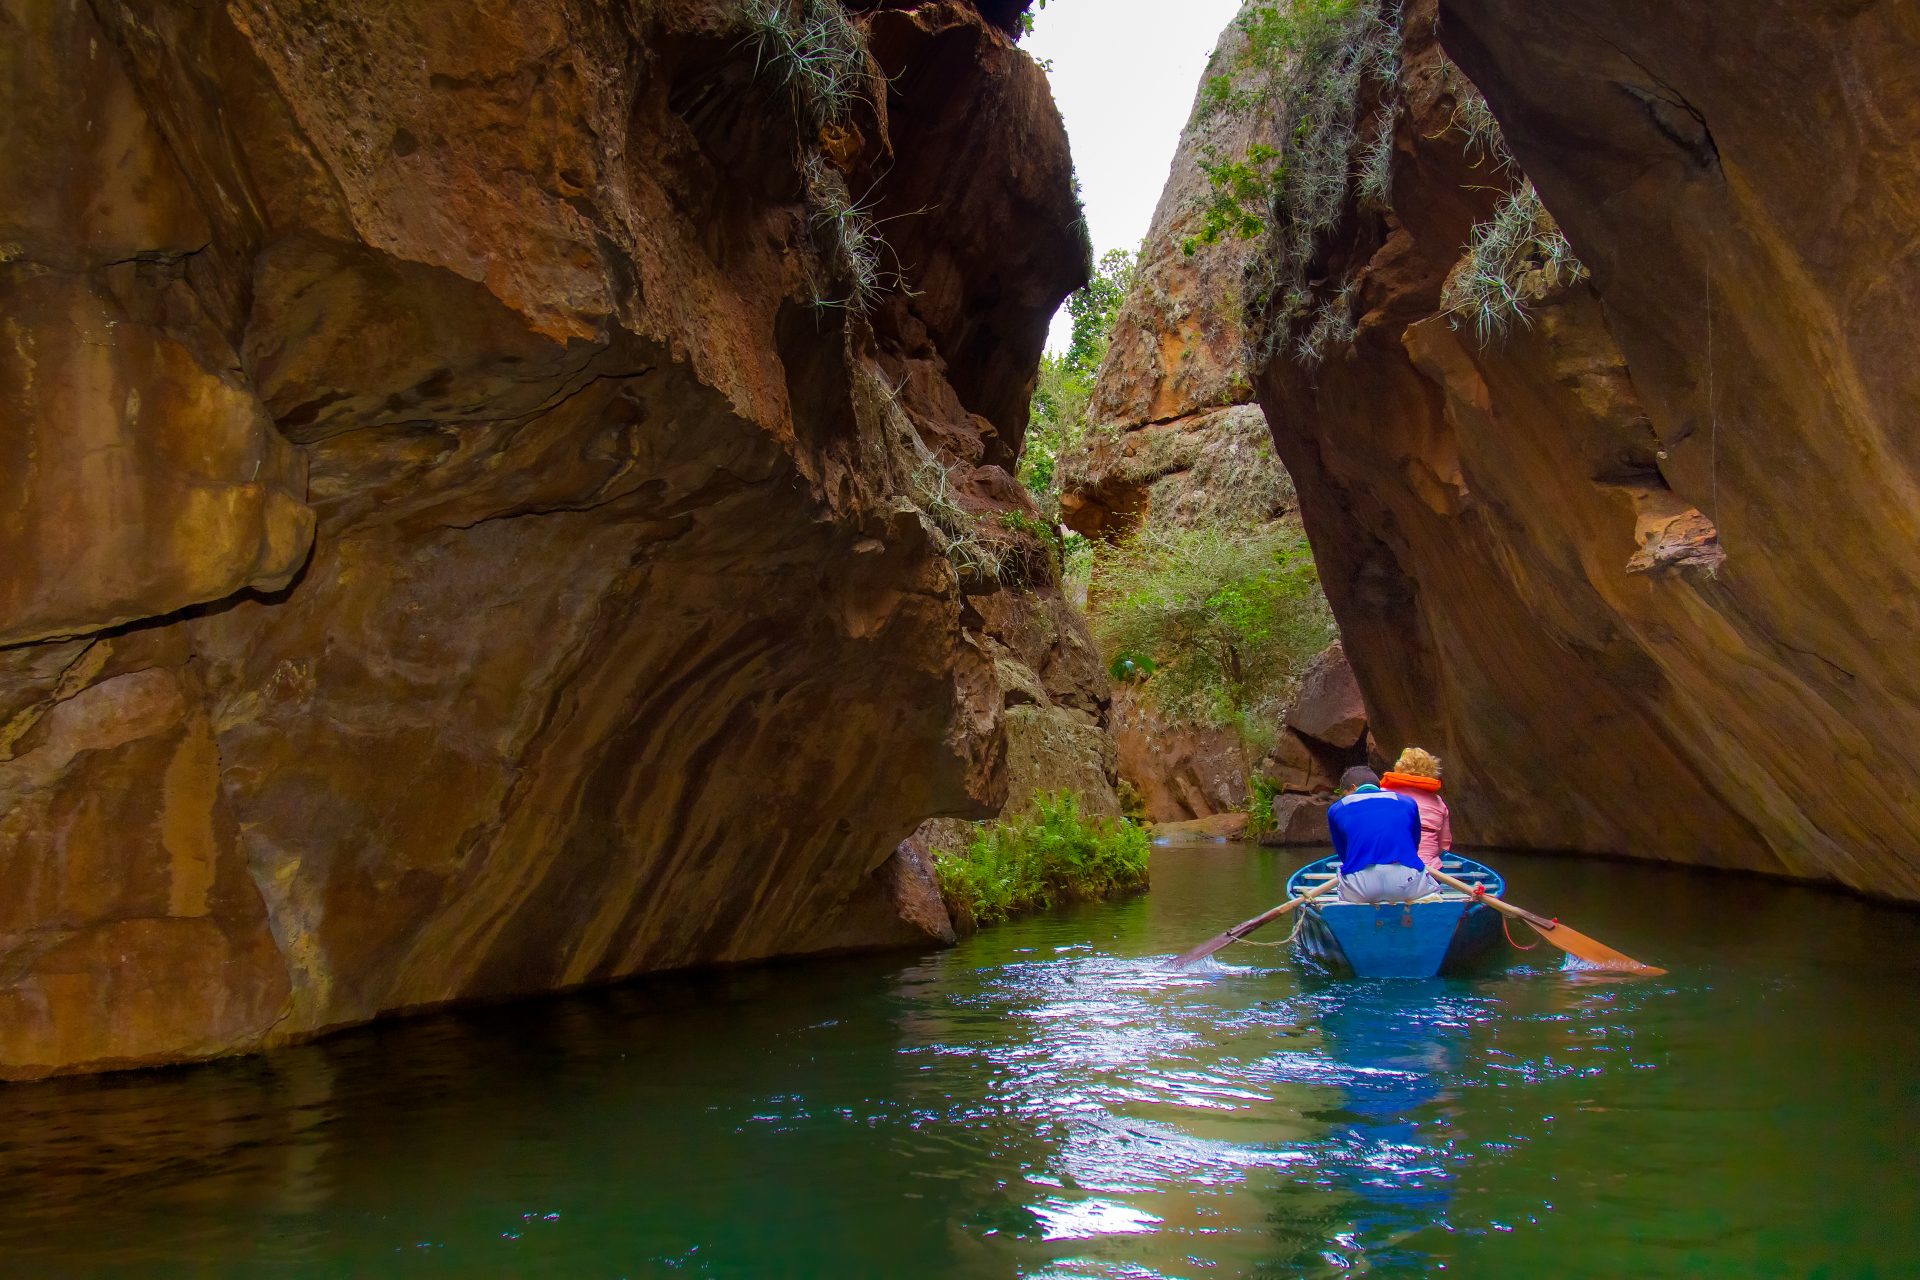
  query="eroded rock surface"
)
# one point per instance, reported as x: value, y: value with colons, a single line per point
x: 1643, y: 571
x: 1174, y: 432
x: 1181, y: 771
x: 464, y: 535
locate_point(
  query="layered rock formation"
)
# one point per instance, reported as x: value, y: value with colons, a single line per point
x: 1643, y: 568
x: 1177, y: 771
x: 489, y: 491
x: 1174, y: 433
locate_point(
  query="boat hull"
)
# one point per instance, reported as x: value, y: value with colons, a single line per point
x: 1422, y: 939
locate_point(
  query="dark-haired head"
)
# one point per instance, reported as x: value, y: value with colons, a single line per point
x: 1358, y: 776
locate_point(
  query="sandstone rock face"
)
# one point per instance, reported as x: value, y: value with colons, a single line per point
x: 1328, y: 709
x: 1175, y: 430
x: 1055, y: 709
x: 465, y: 532
x: 1181, y: 771
x: 1642, y: 571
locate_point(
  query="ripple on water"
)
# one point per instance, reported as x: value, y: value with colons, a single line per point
x: 1050, y: 1100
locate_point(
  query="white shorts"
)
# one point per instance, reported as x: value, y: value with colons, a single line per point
x: 1387, y: 882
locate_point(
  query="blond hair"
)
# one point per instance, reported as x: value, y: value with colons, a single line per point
x: 1419, y: 763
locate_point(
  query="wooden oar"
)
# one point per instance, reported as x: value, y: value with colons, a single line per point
x: 1246, y: 927
x: 1565, y: 937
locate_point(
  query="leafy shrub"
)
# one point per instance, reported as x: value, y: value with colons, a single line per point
x: 1048, y: 857
x: 1056, y: 423
x: 1239, y: 192
x: 1230, y: 617
x: 1021, y: 522
x: 1026, y: 16
x: 1260, y: 794
x: 1095, y: 306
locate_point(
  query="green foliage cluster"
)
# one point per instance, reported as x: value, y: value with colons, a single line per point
x: 1338, y: 45
x: 1309, y: 61
x: 1227, y: 616
x: 1239, y: 190
x: 1260, y: 794
x: 1055, y: 424
x: 1306, y: 60
x: 1052, y: 855
x: 1517, y: 254
x: 1057, y: 421
x: 1021, y: 522
x: 1026, y: 16
x: 1095, y: 306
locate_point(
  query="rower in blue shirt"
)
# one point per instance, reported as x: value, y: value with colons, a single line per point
x: 1376, y: 836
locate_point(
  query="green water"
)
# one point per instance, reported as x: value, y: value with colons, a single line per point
x: 1046, y: 1101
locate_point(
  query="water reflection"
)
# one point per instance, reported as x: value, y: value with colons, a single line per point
x: 1049, y: 1101
x: 1391, y: 1049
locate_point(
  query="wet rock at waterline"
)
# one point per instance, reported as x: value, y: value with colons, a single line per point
x: 1641, y: 568
x: 1299, y: 820
x: 1181, y: 771
x: 1215, y: 828
x: 486, y: 515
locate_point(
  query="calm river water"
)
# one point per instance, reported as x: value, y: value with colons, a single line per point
x: 1045, y: 1100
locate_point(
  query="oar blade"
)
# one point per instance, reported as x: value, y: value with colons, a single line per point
x: 1244, y: 928
x: 1596, y: 953
x: 1201, y: 952
x: 1569, y: 940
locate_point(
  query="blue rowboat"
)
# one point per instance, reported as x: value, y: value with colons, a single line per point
x: 1438, y: 934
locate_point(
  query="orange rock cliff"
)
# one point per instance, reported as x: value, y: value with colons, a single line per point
x: 495, y: 496
x: 1642, y: 568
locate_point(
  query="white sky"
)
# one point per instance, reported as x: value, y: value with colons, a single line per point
x: 1124, y: 74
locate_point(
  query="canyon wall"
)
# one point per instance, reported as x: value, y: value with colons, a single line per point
x: 1642, y: 566
x: 489, y: 492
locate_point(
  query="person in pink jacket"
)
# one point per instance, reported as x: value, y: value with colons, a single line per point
x: 1416, y: 775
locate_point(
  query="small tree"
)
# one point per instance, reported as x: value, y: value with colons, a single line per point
x: 1058, y: 417
x: 1225, y: 619
x: 1095, y: 306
